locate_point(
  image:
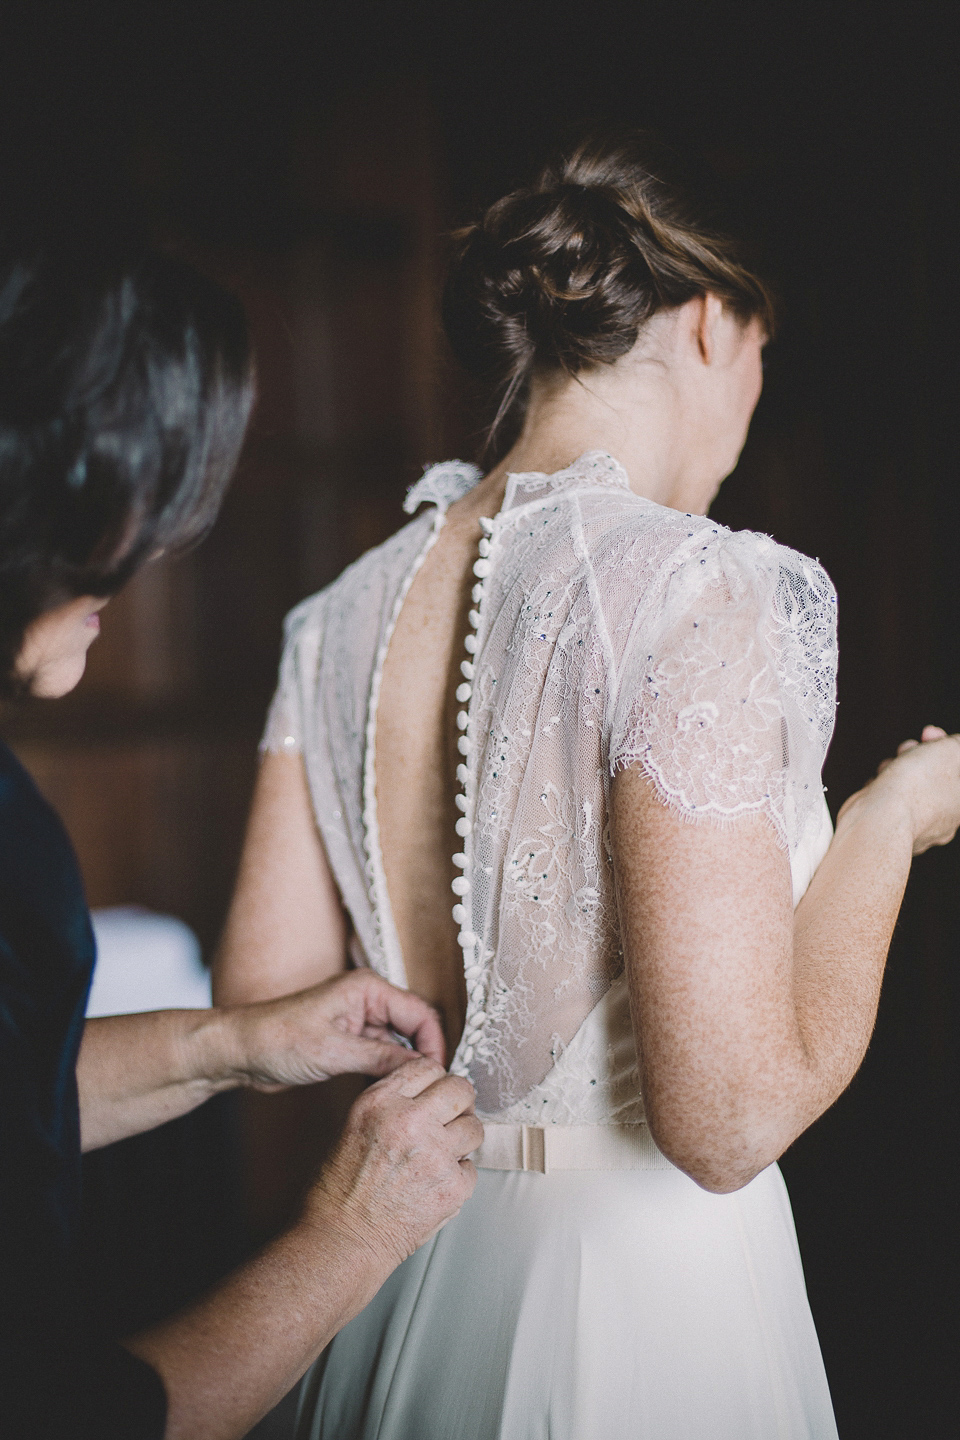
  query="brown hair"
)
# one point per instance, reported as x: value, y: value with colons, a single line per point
x: 563, y: 273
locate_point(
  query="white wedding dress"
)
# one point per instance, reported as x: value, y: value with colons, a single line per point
x: 589, y: 1290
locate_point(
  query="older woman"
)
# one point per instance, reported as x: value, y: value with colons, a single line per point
x: 124, y: 395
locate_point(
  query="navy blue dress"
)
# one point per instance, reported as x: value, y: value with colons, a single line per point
x: 61, y: 1378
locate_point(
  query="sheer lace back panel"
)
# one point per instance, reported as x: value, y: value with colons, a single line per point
x: 607, y: 631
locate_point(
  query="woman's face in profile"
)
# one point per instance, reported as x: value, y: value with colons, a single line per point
x: 53, y: 656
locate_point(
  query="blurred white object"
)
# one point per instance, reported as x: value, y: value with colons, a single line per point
x: 145, y: 962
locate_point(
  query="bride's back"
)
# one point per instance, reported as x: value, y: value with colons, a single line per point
x: 585, y: 235
x: 417, y: 758
x: 509, y: 691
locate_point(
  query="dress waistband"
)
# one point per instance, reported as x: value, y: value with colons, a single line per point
x: 543, y: 1148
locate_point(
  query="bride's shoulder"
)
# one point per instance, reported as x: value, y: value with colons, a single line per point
x: 751, y: 562
x: 658, y: 571
x: 696, y: 553
x: 749, y: 575
x: 442, y: 485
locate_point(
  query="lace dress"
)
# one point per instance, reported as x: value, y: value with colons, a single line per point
x: 589, y: 1290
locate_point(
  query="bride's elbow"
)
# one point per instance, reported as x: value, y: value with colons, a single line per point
x: 719, y: 1175
x: 718, y: 1163
x: 722, y: 1180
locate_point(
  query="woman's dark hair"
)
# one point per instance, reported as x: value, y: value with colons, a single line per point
x: 563, y: 273
x: 125, y: 388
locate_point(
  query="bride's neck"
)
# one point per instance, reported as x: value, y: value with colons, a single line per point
x: 634, y: 418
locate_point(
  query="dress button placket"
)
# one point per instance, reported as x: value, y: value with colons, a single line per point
x: 468, y: 940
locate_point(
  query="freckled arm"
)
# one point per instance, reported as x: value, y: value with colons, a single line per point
x: 750, y: 1018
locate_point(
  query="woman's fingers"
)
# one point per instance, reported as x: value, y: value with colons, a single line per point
x: 408, y: 1015
x: 370, y: 1005
x: 372, y: 1054
x: 466, y: 1132
x: 929, y: 776
x: 902, y: 749
x: 929, y: 732
x: 926, y: 775
x: 398, y: 1171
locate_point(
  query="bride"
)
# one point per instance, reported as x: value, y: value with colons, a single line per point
x: 565, y: 695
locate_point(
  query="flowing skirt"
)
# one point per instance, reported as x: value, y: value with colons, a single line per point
x: 614, y: 1305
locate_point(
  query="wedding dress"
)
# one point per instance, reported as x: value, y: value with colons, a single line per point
x: 589, y: 1290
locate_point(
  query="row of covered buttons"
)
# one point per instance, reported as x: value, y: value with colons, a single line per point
x: 468, y: 939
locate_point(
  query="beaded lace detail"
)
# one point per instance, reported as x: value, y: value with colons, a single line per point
x: 605, y: 631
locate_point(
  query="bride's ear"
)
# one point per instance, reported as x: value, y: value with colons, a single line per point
x: 707, y: 316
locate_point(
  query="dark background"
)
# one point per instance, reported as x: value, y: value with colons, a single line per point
x: 314, y: 155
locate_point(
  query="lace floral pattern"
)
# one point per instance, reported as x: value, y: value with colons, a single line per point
x: 606, y: 631
x: 733, y: 690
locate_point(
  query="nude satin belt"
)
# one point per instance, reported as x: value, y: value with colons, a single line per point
x: 543, y: 1148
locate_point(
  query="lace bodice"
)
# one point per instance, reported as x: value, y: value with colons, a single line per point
x: 606, y: 631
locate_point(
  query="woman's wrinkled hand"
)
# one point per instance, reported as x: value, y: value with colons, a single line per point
x: 401, y: 1168
x: 354, y: 1024
x: 924, y: 779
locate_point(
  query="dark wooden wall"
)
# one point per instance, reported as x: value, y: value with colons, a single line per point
x: 151, y: 760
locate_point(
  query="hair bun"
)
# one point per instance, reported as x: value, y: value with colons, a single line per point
x: 563, y: 273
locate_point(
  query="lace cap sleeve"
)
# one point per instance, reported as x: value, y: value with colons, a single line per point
x: 283, y: 732
x: 727, y: 693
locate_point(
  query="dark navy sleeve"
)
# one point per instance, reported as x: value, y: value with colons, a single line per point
x: 61, y: 1376
x: 61, y: 1381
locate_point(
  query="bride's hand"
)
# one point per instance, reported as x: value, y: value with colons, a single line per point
x: 924, y: 782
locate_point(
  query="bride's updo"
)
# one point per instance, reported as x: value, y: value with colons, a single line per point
x: 563, y: 274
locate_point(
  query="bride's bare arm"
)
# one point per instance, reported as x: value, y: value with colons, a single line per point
x: 752, y: 1018
x: 286, y: 929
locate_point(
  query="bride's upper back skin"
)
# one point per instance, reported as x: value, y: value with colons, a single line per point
x: 605, y: 320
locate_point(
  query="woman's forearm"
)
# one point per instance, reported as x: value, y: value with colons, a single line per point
x: 137, y: 1071
x: 800, y: 1040
x: 396, y: 1176
x: 231, y: 1356
x: 841, y: 936
x: 842, y: 932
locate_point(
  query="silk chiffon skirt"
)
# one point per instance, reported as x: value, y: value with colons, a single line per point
x: 614, y: 1305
